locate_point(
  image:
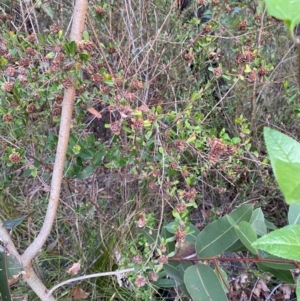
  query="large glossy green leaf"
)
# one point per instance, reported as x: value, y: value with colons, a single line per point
x: 203, y: 284
x: 294, y: 214
x: 287, y: 10
x: 284, y: 153
x: 219, y: 235
x: 284, y: 242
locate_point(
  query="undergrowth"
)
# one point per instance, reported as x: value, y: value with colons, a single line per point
x: 169, y: 113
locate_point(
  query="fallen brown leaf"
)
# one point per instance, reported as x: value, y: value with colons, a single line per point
x: 79, y: 293
x: 74, y: 269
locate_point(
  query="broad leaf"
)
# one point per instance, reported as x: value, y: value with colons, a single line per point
x: 223, y: 278
x: 219, y: 235
x: 182, y: 268
x: 86, y: 172
x: 257, y: 214
x: 247, y: 235
x: 13, y: 223
x: 283, y: 275
x: 294, y: 214
x: 165, y: 283
x: 203, y: 284
x: 284, y: 153
x: 259, y: 227
x: 283, y: 242
x: 298, y: 288
x: 172, y: 269
x: 4, y: 288
x: 287, y: 10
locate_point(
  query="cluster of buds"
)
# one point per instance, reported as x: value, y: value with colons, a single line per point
x: 137, y: 124
x: 15, y: 158
x: 129, y: 96
x: 246, y: 57
x: 54, y: 28
x: 111, y: 50
x: 243, y: 25
x: 119, y: 82
x: 24, y: 62
x: 7, y: 86
x: 219, y: 149
x: 30, y: 51
x: 206, y: 29
x: 217, y: 72
x: 97, y: 78
x: 262, y: 71
x: 189, y: 57
x: 87, y: 46
x: 180, y: 144
x: 57, y: 62
x: 116, y: 127
x: 180, y: 235
x: 100, y: 11
x: 67, y: 83
x: 7, y: 117
x: 180, y: 208
x: 136, y: 84
x: 31, y: 38
x: 31, y: 108
x: 251, y: 77
x: 10, y: 71
x: 189, y: 194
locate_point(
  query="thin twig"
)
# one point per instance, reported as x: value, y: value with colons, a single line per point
x: 118, y: 272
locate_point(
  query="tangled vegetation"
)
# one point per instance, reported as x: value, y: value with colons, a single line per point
x: 166, y: 137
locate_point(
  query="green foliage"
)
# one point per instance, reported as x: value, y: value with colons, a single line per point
x: 283, y: 242
x: 165, y: 133
x: 287, y: 10
x: 284, y: 156
x: 203, y: 284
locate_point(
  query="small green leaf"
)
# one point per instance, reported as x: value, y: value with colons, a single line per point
x: 86, y: 36
x: 72, y: 46
x: 84, y: 56
x: 284, y: 242
x: 86, y: 172
x: 203, y: 284
x: 50, y: 55
x: 13, y: 223
x: 48, y: 10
